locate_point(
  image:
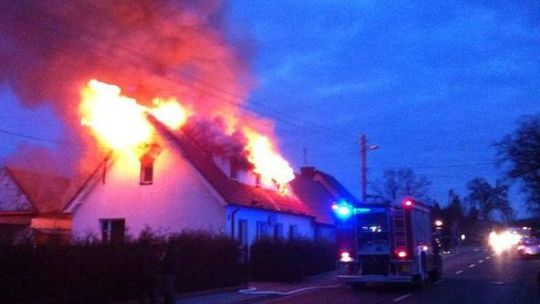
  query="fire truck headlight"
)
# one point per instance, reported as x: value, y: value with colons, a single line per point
x: 345, y: 257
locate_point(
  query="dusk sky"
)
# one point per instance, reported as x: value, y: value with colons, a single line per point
x: 434, y: 84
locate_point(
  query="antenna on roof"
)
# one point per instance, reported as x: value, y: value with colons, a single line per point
x: 305, y: 156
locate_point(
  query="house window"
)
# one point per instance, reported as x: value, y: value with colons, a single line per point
x: 113, y: 230
x: 278, y: 231
x: 262, y: 230
x: 318, y: 234
x: 243, y: 232
x: 147, y: 172
x: 293, y: 232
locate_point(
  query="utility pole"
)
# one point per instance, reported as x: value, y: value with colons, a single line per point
x: 363, y: 155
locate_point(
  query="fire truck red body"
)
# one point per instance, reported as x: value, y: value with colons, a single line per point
x: 389, y: 243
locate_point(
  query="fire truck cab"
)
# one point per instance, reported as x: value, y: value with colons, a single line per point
x: 386, y: 243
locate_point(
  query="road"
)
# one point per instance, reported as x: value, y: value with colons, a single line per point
x: 474, y: 275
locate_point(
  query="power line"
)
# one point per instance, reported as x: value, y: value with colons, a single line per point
x: 38, y: 138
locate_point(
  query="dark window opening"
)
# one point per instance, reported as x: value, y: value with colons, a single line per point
x: 147, y: 171
x: 113, y: 230
x: 262, y: 230
x: 293, y: 232
x: 242, y: 232
x: 278, y: 231
x: 318, y: 234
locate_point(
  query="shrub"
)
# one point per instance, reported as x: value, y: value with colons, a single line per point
x: 95, y: 272
x: 289, y: 261
x: 208, y: 261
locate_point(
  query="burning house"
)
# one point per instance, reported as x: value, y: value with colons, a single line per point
x: 182, y: 174
x: 155, y: 89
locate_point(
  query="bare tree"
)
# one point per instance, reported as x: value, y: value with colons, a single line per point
x: 488, y: 198
x: 500, y: 196
x: 399, y: 183
x: 454, y: 211
x: 520, y: 151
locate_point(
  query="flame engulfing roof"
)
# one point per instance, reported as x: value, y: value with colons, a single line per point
x: 49, y: 193
x: 313, y: 193
x: 233, y: 192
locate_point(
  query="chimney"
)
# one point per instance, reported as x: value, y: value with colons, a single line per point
x: 308, y: 171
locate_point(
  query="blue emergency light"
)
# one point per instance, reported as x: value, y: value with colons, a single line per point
x: 345, y: 210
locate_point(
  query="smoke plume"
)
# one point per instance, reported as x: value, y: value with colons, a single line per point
x: 50, y: 49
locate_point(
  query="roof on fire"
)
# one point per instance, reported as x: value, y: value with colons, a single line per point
x: 234, y: 192
x: 313, y: 192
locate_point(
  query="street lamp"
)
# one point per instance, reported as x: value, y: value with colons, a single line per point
x: 438, y: 224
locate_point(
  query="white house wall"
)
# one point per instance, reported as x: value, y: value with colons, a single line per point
x: 11, y: 196
x: 252, y: 216
x: 178, y: 199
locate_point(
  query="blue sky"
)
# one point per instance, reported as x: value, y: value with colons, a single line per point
x: 434, y: 84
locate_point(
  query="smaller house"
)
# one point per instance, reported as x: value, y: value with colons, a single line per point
x: 319, y: 190
x: 31, y: 205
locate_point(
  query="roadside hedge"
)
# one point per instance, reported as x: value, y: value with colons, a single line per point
x: 289, y: 261
x: 102, y: 273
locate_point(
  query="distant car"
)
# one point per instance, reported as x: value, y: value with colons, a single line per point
x: 528, y: 247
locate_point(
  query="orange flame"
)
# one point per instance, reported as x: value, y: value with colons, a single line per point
x: 268, y: 163
x: 169, y: 112
x: 120, y: 122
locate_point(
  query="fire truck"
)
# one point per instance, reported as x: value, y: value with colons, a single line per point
x: 390, y: 243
